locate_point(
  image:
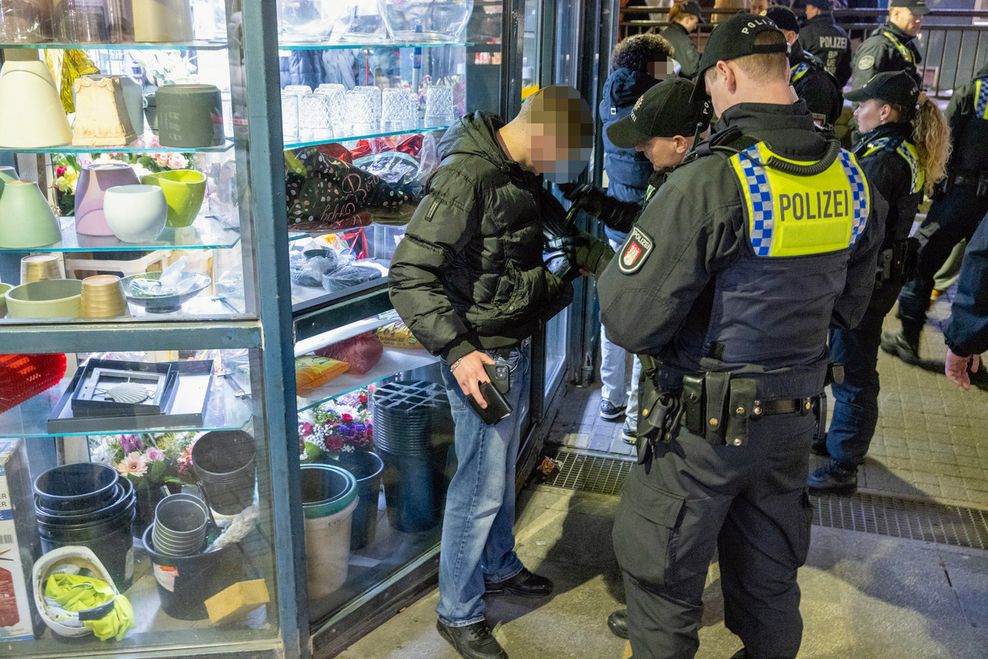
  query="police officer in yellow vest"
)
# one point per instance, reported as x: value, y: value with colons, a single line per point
x: 891, y: 47
x: 729, y: 280
x: 904, y: 153
x: 957, y: 210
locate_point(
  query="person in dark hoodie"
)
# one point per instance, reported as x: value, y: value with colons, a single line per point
x: 807, y: 74
x: 636, y: 65
x: 828, y: 41
x: 470, y: 282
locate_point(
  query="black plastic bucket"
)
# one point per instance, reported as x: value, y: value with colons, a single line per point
x: 185, y: 583
x: 110, y: 539
x: 366, y: 467
x: 414, y: 488
x: 76, y: 488
x: 224, y: 464
x: 123, y: 497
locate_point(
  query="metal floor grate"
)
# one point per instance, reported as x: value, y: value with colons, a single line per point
x: 868, y: 513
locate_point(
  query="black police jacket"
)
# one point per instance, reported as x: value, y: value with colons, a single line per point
x: 822, y: 37
x: 887, y: 49
x: 684, y: 50
x: 889, y: 171
x: 680, y: 278
x: 814, y: 85
x: 967, y: 332
x: 969, y: 128
x: 469, y: 273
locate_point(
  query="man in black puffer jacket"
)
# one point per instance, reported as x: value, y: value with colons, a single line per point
x: 469, y: 281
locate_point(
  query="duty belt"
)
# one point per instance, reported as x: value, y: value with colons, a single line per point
x: 896, y: 261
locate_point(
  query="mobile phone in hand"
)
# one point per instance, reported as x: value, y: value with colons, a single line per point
x: 493, y: 393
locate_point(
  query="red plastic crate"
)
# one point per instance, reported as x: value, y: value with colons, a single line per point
x: 24, y: 376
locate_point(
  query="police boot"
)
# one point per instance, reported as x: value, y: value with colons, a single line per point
x: 904, y: 344
x: 618, y: 623
x: 833, y: 478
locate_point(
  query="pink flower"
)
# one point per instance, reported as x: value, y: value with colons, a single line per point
x: 346, y: 418
x: 305, y: 429
x: 133, y: 465
x: 177, y: 161
x: 154, y: 454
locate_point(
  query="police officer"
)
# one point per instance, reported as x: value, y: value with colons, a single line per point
x: 891, y: 46
x: 904, y: 153
x: 663, y: 127
x: 955, y: 214
x: 684, y: 17
x: 966, y: 334
x: 806, y: 73
x: 730, y: 278
x: 828, y: 41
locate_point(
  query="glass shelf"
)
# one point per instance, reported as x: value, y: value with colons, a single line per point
x: 393, y: 361
x: 345, y: 332
x: 202, y: 44
x: 142, y: 145
x: 368, y: 136
x: 228, y: 409
x: 207, y: 232
x: 353, y: 45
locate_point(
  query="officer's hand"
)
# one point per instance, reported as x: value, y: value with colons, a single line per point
x: 956, y: 368
x: 592, y: 254
x: 573, y: 190
x: 469, y: 373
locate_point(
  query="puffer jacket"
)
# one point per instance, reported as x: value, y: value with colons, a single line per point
x: 469, y: 273
x: 627, y: 170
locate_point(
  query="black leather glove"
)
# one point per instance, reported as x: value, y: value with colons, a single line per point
x: 590, y: 254
x: 617, y: 215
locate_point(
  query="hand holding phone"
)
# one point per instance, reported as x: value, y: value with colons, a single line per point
x: 493, y: 393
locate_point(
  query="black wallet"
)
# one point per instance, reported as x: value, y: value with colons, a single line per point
x: 493, y: 392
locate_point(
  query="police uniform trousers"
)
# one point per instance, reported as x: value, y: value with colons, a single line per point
x: 750, y: 504
x: 952, y: 217
x: 855, y: 413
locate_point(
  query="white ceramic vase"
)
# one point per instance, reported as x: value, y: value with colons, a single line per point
x: 135, y: 213
x: 36, y: 119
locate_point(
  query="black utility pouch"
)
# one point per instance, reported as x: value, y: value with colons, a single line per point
x: 739, y: 407
x: 716, y: 390
x: 694, y: 403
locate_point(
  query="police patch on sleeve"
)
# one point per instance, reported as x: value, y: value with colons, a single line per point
x: 866, y: 62
x: 636, y: 249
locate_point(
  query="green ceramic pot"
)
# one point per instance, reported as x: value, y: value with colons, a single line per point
x: 189, y: 116
x: 26, y: 219
x: 49, y: 298
x: 184, y: 191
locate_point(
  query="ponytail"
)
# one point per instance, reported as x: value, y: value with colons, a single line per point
x: 931, y: 135
x: 676, y: 11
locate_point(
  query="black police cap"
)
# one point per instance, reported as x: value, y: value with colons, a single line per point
x: 665, y: 110
x: 917, y: 7
x: 894, y: 87
x: 692, y: 7
x: 735, y: 38
x: 783, y: 17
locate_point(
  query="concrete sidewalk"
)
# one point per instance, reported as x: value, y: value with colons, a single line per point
x: 864, y: 596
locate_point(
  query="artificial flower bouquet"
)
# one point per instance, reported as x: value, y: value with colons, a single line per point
x: 342, y: 425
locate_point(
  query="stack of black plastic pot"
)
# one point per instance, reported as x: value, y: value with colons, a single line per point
x: 413, y: 431
x: 88, y: 504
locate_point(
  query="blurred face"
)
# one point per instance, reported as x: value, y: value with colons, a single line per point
x: 905, y: 20
x: 871, y: 114
x: 812, y: 11
x: 689, y: 22
x: 558, y: 149
x: 666, y: 152
x: 661, y: 69
x: 757, y: 6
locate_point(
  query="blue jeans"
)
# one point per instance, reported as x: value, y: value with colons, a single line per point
x: 478, y: 541
x: 856, y: 400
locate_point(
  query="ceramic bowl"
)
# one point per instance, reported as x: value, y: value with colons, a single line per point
x: 51, y: 298
x: 165, y: 303
x: 3, y: 298
x: 103, y: 297
x: 135, y: 213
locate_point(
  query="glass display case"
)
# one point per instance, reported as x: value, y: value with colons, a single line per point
x: 143, y: 429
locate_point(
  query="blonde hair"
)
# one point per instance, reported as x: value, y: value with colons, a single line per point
x: 676, y: 11
x: 763, y: 66
x: 931, y: 135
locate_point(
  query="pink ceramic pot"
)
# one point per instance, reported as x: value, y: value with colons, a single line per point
x: 94, y: 181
